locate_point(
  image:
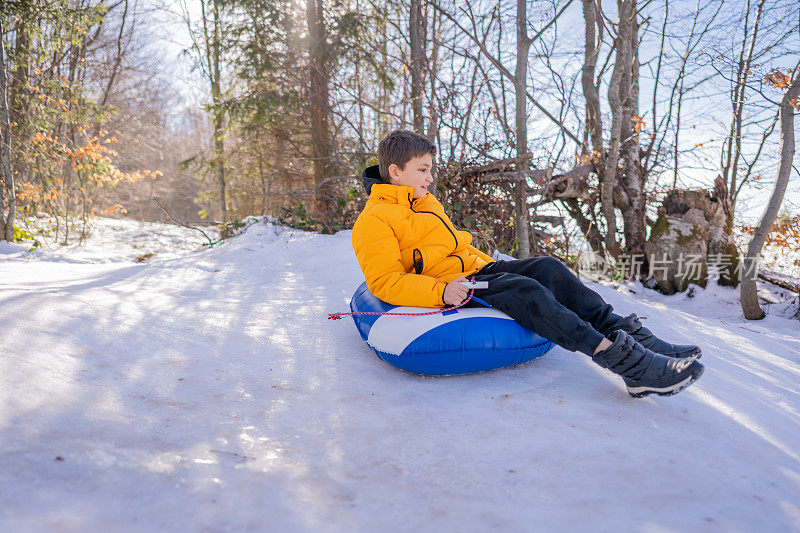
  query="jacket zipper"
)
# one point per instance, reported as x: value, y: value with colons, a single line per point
x: 411, y: 202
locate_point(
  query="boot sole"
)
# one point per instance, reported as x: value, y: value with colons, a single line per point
x: 640, y: 392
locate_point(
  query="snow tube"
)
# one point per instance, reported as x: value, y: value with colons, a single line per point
x: 462, y: 341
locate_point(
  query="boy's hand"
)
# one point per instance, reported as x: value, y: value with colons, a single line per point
x: 455, y: 292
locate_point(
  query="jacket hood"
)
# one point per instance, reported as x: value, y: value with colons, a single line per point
x: 371, y: 176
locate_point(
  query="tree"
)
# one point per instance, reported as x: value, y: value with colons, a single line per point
x: 790, y: 101
x: 732, y: 147
x: 56, y: 61
x: 208, y: 43
x: 519, y: 79
x: 7, y: 193
x: 213, y: 52
x: 417, y: 41
x: 521, y: 121
x: 319, y: 72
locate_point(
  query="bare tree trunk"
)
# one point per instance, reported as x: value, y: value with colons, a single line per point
x: 734, y: 140
x: 319, y: 105
x: 21, y: 72
x: 726, y: 152
x: 382, y: 127
x: 118, y: 59
x: 633, y: 212
x: 417, y: 37
x: 264, y: 187
x: 615, y: 100
x: 679, y: 86
x: 213, y: 51
x: 657, y: 81
x: 17, y: 103
x: 521, y: 119
x: 360, y: 131
x: 594, y: 121
x: 433, y: 69
x: 272, y: 172
x: 77, y: 54
x: 219, y: 139
x: 433, y: 109
x: 749, y: 296
x: 7, y: 196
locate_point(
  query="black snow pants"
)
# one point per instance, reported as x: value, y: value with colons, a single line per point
x: 543, y: 295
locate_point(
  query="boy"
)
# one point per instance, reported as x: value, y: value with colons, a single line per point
x: 411, y: 255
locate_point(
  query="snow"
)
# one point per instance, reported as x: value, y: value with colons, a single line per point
x: 774, y: 258
x: 204, y: 390
x: 112, y: 240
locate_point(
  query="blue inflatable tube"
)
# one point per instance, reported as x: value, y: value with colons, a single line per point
x: 462, y: 341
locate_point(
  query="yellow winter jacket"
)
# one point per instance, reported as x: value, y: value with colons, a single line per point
x: 408, y: 248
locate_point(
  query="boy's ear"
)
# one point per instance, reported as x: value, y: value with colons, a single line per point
x: 394, y: 171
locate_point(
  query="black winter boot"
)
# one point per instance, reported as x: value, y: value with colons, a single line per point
x: 644, y: 371
x: 632, y: 326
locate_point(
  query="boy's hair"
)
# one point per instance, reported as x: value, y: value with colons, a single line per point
x: 399, y: 147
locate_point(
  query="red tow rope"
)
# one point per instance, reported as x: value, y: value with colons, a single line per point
x: 338, y: 316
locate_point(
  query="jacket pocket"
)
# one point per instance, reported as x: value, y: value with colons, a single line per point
x: 461, y: 262
x: 419, y: 262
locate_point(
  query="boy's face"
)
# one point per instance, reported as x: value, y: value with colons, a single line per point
x: 416, y: 173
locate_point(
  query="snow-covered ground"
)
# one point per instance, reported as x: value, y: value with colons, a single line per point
x: 206, y: 391
x: 111, y: 240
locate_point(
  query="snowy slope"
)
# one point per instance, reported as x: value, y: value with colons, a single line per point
x: 207, y: 392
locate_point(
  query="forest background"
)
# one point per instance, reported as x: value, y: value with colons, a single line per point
x: 561, y: 125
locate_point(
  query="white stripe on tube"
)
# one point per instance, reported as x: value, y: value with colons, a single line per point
x: 392, y: 334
